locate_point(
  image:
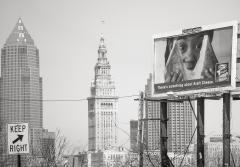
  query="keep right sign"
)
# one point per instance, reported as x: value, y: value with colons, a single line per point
x: 18, y: 138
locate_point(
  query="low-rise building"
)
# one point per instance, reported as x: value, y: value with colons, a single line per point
x: 214, y: 151
x: 79, y: 160
x: 112, y: 158
x: 187, y: 160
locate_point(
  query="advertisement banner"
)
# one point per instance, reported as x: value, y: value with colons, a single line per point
x: 196, y: 60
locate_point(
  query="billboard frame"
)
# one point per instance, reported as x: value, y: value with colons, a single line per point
x: 194, y: 30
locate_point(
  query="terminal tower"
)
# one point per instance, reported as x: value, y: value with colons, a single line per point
x: 102, y: 105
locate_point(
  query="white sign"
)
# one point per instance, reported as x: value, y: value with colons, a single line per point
x: 18, y: 138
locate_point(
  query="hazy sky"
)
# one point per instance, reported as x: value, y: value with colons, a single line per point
x: 67, y: 34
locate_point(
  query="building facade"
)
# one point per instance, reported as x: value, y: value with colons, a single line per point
x: 112, y: 158
x: 78, y: 160
x: 102, y: 105
x: 48, y: 148
x: 214, y: 151
x: 133, y: 135
x: 151, y: 132
x: 180, y: 124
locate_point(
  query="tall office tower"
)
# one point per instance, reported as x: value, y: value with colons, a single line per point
x: 180, y: 126
x: 133, y: 135
x: 20, y: 88
x: 151, y: 127
x: 102, y: 105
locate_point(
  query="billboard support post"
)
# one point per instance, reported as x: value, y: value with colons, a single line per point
x: 163, y: 134
x: 19, y: 160
x: 200, y: 132
x: 226, y: 129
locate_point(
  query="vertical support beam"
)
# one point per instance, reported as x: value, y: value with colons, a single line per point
x: 73, y: 163
x: 163, y: 134
x: 200, y: 132
x: 226, y: 129
x: 140, y: 134
x: 19, y: 160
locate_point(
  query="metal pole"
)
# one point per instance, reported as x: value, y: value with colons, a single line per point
x: 226, y: 129
x: 19, y: 160
x: 73, y: 161
x: 140, y: 136
x: 163, y: 134
x: 200, y: 132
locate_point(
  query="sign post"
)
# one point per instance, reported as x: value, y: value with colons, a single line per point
x: 19, y: 160
x: 18, y: 142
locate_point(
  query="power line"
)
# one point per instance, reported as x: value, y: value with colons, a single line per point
x: 59, y: 100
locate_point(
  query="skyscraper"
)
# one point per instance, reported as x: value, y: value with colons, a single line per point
x: 102, y: 105
x: 180, y: 126
x: 180, y: 123
x: 151, y: 127
x: 20, y: 88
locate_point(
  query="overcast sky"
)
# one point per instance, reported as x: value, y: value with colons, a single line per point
x: 67, y: 34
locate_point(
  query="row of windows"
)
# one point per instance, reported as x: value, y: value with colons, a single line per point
x: 103, y: 70
x: 106, y: 104
x: 14, y: 47
x: 105, y: 92
x: 22, y: 51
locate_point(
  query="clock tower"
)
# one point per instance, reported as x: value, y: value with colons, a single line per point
x: 102, y: 105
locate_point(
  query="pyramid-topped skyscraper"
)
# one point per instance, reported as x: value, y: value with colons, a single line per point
x: 20, y: 89
x: 20, y: 35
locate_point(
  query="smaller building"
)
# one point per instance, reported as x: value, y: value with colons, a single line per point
x: 214, y: 151
x: 187, y: 160
x: 133, y: 135
x: 112, y: 158
x: 151, y: 158
x: 79, y: 160
x: 48, y: 148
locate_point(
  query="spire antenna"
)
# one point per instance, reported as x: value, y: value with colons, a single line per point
x: 102, y: 27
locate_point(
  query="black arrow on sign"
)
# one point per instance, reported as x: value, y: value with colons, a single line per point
x: 20, y: 137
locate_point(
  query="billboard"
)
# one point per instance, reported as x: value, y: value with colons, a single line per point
x: 238, y: 58
x: 196, y: 60
x: 237, y: 90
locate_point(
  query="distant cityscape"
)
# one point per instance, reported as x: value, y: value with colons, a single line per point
x: 21, y: 102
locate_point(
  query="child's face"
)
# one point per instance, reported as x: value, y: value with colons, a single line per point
x: 190, y: 47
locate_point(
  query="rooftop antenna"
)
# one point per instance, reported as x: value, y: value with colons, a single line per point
x: 102, y: 27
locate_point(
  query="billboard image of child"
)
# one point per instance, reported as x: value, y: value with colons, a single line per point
x: 190, y: 57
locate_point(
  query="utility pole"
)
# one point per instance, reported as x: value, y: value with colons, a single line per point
x: 140, y: 134
x: 226, y: 129
x: 163, y: 134
x: 200, y: 132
